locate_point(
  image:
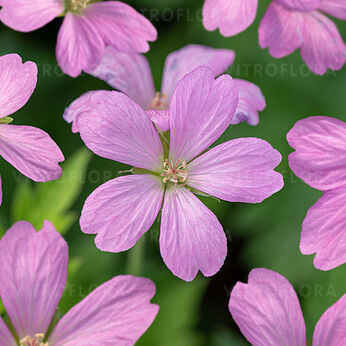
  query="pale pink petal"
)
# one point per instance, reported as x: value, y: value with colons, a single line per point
x: 33, y: 269
x: 17, y: 83
x: 116, y: 313
x: 300, y: 5
x: 201, y: 110
x: 267, y: 310
x: 323, y: 46
x: 118, y: 129
x: 191, y: 237
x: 160, y: 119
x: 320, y: 156
x: 128, y: 73
x: 185, y: 60
x: 121, y: 210
x: 240, y: 170
x: 230, y: 16
x: 330, y: 329
x: 336, y: 8
x: 250, y: 102
x: 31, y: 151
x: 6, y: 338
x: 281, y: 30
x: 29, y: 15
x: 324, y: 228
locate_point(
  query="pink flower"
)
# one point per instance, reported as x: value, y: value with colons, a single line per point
x: 131, y: 74
x: 268, y: 312
x: 27, y: 148
x: 294, y: 24
x: 33, y: 271
x: 320, y: 160
x: 87, y: 28
x: 171, y: 169
x: 230, y: 16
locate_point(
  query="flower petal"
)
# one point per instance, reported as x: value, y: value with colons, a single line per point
x: 33, y: 270
x: 330, y: 329
x: 29, y: 15
x: 6, y: 338
x: 185, y: 60
x: 324, y: 228
x: 201, y: 110
x: 191, y: 237
x: 231, y: 16
x: 320, y: 156
x: 160, y: 119
x: 251, y: 100
x: 300, y: 5
x: 17, y: 83
x: 323, y: 46
x: 281, y: 30
x: 336, y: 8
x: 116, y: 313
x: 31, y: 151
x: 128, y: 73
x: 118, y: 129
x: 267, y: 310
x: 122, y: 210
x: 240, y: 170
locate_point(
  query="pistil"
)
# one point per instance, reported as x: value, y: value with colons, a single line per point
x: 175, y: 173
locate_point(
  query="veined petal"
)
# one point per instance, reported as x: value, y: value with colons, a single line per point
x: 118, y: 129
x: 121, y: 210
x: 191, y: 237
x: 31, y: 151
x: 320, y: 156
x: 324, y: 228
x: 330, y: 329
x: 17, y: 83
x: 300, y: 5
x: 160, y: 119
x: 29, y: 15
x: 231, y: 16
x: 336, y: 8
x: 323, y: 46
x: 250, y: 102
x: 267, y: 310
x: 128, y: 73
x: 33, y: 270
x: 185, y: 60
x: 240, y: 170
x: 116, y: 313
x: 201, y: 110
x: 6, y: 338
x: 281, y: 30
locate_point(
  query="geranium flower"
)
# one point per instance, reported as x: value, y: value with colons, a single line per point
x: 174, y: 166
x: 87, y: 28
x: 268, y: 312
x: 230, y: 16
x: 131, y: 74
x: 294, y: 24
x: 320, y: 160
x: 33, y: 271
x: 27, y: 148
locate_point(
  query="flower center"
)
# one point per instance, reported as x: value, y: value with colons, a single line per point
x: 37, y: 340
x: 77, y: 5
x: 174, y: 172
x: 159, y: 102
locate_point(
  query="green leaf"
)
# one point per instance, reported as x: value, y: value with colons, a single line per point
x: 52, y: 200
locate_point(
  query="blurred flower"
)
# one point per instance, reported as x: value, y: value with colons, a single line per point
x: 320, y: 160
x: 131, y: 74
x: 268, y: 312
x: 87, y: 28
x: 33, y: 271
x: 27, y: 148
x: 230, y: 16
x: 291, y: 24
x: 172, y: 167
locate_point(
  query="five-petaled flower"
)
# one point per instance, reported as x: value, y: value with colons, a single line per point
x: 172, y: 166
x: 320, y: 160
x: 33, y: 271
x: 88, y: 27
x: 268, y: 312
x: 27, y: 148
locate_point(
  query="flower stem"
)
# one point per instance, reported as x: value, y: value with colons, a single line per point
x: 135, y: 258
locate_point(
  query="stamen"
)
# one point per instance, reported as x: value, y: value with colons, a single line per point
x: 37, y: 340
x: 76, y: 5
x: 159, y: 102
x: 174, y: 173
